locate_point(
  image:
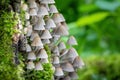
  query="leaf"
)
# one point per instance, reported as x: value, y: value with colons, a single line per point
x: 91, y: 19
x: 88, y: 8
x: 107, y: 5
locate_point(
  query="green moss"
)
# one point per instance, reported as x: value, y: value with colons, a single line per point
x: 8, y: 71
x: 45, y: 74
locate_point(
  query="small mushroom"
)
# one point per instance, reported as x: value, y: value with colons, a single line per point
x: 37, y: 42
x: 67, y: 67
x: 42, y: 54
x: 31, y: 56
x: 58, y: 71
x: 46, y: 35
x: 72, y: 41
x: 38, y: 66
x: 53, y: 9
x: 30, y: 65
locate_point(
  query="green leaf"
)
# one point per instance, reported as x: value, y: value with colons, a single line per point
x: 87, y: 8
x: 91, y: 19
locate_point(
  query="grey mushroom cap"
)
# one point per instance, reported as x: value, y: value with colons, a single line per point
x: 56, y: 60
x: 44, y: 60
x: 28, y: 48
x: 46, y: 35
x: 72, y: 41
x: 50, y: 24
x: 32, y: 12
x: 42, y: 11
x: 61, y: 30
x: 37, y: 42
x: 31, y: 56
x: 78, y: 62
x: 53, y: 9
x: 58, y: 71
x: 38, y: 66
x: 57, y: 18
x: 47, y: 1
x: 61, y: 46
x: 73, y: 75
x: 67, y: 67
x: 42, y: 54
x: 72, y: 53
x: 30, y: 65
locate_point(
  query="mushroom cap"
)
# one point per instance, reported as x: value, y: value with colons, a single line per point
x: 73, y: 75
x: 67, y: 67
x: 42, y: 54
x: 61, y: 30
x: 55, y: 51
x: 53, y: 9
x: 38, y: 66
x: 56, y: 60
x: 30, y: 65
x: 72, y: 41
x: 61, y: 46
x: 31, y: 56
x: 33, y: 12
x: 78, y: 62
x: 37, y: 42
x: 28, y: 48
x: 44, y: 60
x: 50, y: 24
x: 57, y: 18
x: 47, y: 1
x: 29, y: 30
x: 42, y: 11
x: 58, y: 71
x: 45, y: 41
x: 46, y: 35
x: 72, y: 53
x: 32, y: 4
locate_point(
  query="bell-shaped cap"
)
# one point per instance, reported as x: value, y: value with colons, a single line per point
x: 61, y: 46
x: 24, y: 7
x: 37, y: 42
x: 31, y: 56
x: 33, y: 35
x: 45, y: 41
x: 39, y: 25
x: 61, y: 30
x: 73, y: 75
x: 47, y: 1
x: 58, y: 71
x: 67, y: 78
x: 33, y: 12
x: 56, y: 60
x: 78, y: 62
x: 32, y: 4
x: 30, y: 65
x: 57, y: 18
x: 65, y: 25
x: 42, y: 11
x: 72, y: 53
x: 42, y: 54
x: 38, y: 66
x: 46, y: 35
x: 44, y: 60
x: 72, y: 41
x: 34, y: 20
x: 29, y: 30
x: 53, y: 9
x: 67, y: 67
x: 28, y: 48
x: 55, y: 51
x: 62, y: 18
x: 50, y: 24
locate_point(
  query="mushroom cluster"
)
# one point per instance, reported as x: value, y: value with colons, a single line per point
x: 44, y: 25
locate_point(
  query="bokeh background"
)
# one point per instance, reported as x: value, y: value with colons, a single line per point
x: 96, y: 26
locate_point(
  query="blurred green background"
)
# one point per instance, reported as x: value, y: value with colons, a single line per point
x: 96, y: 26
